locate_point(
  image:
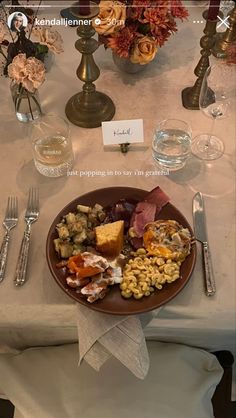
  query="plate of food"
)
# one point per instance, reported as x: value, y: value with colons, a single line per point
x: 121, y: 250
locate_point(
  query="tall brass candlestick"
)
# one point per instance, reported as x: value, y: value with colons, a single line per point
x: 88, y: 108
x: 225, y: 39
x: 190, y: 95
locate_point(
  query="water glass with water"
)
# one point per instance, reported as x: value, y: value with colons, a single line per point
x: 52, y: 148
x: 171, y: 145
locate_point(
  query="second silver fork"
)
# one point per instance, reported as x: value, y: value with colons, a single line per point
x: 9, y: 222
x: 31, y: 215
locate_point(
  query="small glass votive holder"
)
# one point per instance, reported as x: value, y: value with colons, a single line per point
x: 52, y: 147
x: 171, y: 145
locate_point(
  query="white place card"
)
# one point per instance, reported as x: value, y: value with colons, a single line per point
x: 122, y: 131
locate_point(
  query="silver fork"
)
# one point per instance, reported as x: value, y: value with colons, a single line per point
x: 10, y: 221
x: 31, y: 215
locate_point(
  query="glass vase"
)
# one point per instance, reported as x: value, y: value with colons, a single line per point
x: 125, y: 65
x: 26, y: 103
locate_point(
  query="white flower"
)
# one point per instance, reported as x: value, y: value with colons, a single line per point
x: 49, y: 37
x: 30, y: 72
x: 2, y: 32
x: 17, y: 69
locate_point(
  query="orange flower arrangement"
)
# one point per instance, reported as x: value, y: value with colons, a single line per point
x: 135, y: 29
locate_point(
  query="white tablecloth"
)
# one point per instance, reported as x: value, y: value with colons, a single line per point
x: 39, y: 313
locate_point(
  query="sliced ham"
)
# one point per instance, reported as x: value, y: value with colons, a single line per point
x: 144, y: 211
x: 158, y: 197
x: 147, y: 210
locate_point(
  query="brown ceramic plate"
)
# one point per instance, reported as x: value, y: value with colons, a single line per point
x: 114, y: 303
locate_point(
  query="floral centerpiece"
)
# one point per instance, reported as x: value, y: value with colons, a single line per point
x: 135, y: 29
x: 24, y: 50
x: 27, y: 75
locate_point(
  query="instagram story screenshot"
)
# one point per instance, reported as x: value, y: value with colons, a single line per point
x: 117, y: 209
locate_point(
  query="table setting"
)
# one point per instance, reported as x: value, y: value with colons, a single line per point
x: 110, y: 245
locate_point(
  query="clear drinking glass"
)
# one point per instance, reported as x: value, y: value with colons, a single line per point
x: 171, y: 145
x: 52, y: 148
x: 217, y: 91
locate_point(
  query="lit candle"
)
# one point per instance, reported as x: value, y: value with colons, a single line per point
x: 213, y: 10
x: 84, y: 7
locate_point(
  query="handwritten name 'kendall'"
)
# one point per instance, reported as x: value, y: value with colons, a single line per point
x: 122, y: 132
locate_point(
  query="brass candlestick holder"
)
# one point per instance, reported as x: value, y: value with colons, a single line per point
x: 224, y: 40
x: 88, y: 108
x: 190, y: 95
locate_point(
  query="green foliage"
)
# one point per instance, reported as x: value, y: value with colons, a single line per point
x: 144, y: 28
x: 41, y: 49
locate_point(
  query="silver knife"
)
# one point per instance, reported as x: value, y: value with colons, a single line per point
x: 200, y: 229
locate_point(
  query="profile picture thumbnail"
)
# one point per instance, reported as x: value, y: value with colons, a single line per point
x: 17, y: 21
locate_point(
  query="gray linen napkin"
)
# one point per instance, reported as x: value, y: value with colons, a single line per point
x: 102, y: 335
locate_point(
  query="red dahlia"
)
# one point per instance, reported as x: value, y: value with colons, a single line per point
x: 121, y: 41
x: 178, y: 10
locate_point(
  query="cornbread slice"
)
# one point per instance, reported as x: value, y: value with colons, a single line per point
x: 110, y: 238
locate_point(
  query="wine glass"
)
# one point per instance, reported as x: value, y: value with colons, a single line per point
x: 217, y: 92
